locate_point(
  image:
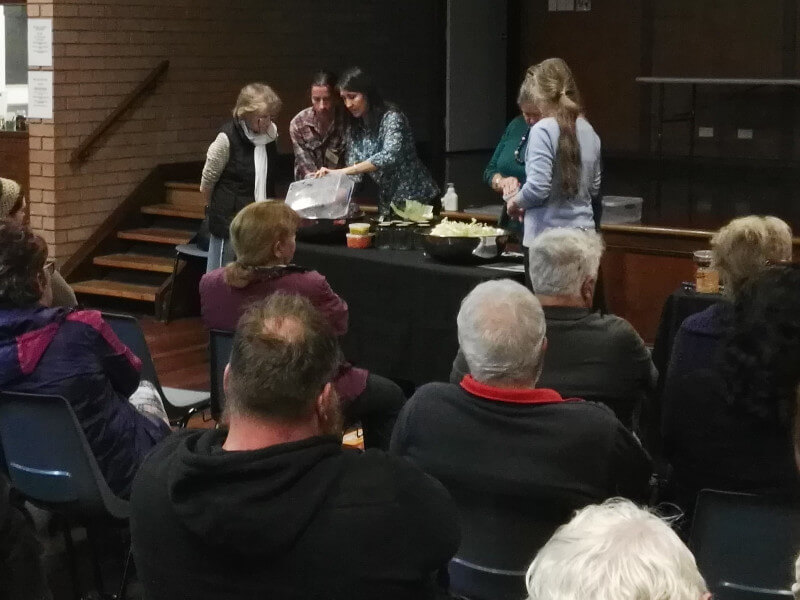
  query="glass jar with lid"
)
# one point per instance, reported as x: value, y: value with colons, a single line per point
x: 706, y: 280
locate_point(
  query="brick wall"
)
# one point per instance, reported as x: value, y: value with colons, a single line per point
x: 104, y: 48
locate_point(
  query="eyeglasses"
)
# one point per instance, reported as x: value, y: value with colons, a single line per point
x: 777, y: 262
x: 519, y: 153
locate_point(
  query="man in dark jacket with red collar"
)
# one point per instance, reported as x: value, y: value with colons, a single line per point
x: 275, y: 507
x: 517, y: 459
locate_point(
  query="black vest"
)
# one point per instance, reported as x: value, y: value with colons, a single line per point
x: 234, y: 190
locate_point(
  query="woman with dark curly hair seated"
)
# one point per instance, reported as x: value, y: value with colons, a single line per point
x: 74, y: 354
x: 730, y: 392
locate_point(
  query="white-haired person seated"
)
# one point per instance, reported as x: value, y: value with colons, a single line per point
x: 525, y: 454
x: 615, y: 551
x: 590, y: 355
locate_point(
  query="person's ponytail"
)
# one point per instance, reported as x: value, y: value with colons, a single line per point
x: 568, y: 155
x: 238, y: 276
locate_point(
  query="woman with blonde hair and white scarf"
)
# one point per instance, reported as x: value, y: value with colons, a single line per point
x: 240, y: 165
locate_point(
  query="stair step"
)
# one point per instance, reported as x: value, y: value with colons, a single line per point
x: 174, y: 210
x: 157, y: 235
x: 137, y: 262
x: 185, y: 194
x: 116, y: 289
x: 182, y: 185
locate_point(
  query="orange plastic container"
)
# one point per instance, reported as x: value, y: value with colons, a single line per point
x: 359, y: 241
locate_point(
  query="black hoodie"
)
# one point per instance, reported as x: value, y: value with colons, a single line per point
x: 306, y: 519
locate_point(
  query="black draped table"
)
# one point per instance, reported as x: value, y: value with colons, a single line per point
x: 403, y: 306
x: 681, y: 303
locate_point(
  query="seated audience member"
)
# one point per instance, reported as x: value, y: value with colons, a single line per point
x: 729, y: 393
x: 615, y: 551
x: 275, y: 507
x: 498, y: 436
x: 12, y: 207
x: 22, y: 575
x: 74, y: 354
x: 745, y: 246
x: 589, y: 355
x: 317, y: 132
x: 263, y: 237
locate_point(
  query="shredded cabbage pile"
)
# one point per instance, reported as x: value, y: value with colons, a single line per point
x: 449, y: 228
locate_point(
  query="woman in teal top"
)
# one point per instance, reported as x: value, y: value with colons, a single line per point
x: 380, y: 143
x: 505, y: 173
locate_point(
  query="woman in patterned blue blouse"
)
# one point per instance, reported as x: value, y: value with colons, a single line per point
x: 380, y: 143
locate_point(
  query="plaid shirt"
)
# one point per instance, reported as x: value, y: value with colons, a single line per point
x: 312, y: 150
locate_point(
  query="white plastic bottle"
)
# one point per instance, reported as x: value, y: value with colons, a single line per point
x: 450, y: 198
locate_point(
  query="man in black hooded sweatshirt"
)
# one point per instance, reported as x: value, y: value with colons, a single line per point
x: 274, y: 507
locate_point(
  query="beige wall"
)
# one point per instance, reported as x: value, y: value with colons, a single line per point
x: 104, y: 48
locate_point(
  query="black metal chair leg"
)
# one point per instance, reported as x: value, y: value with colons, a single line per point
x: 72, y: 565
x: 123, y: 586
x: 94, y: 550
x: 168, y: 316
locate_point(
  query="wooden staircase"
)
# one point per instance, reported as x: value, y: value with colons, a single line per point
x: 135, y: 264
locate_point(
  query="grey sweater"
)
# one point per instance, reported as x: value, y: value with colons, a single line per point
x: 592, y: 356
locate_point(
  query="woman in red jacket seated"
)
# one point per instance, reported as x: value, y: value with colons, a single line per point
x: 263, y: 237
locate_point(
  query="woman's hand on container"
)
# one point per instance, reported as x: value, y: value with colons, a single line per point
x: 323, y: 171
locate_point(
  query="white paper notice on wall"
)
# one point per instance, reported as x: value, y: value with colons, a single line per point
x: 40, y: 42
x: 40, y: 94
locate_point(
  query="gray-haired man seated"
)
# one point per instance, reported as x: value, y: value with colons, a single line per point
x: 274, y: 507
x: 590, y: 355
x: 517, y: 458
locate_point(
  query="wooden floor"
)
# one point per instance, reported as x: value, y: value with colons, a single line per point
x: 180, y: 352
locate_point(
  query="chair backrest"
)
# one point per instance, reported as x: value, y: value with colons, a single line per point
x: 745, y: 541
x: 130, y: 333
x: 48, y: 458
x: 220, y: 345
x: 500, y: 535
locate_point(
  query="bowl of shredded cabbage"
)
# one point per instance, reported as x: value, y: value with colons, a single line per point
x: 464, y: 243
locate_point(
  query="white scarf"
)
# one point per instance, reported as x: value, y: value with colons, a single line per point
x: 260, y: 141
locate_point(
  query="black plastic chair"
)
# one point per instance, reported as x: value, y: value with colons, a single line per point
x: 745, y: 545
x: 180, y: 404
x: 500, y: 535
x: 220, y: 344
x: 183, y: 252
x: 50, y: 463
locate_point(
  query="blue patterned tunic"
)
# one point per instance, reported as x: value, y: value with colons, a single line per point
x: 400, y: 175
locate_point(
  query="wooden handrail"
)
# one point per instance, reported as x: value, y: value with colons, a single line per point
x: 82, y: 151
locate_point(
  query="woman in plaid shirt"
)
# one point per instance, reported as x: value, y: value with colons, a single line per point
x: 317, y: 132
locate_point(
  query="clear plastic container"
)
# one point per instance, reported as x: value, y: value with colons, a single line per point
x: 621, y: 209
x: 324, y: 198
x: 706, y: 279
